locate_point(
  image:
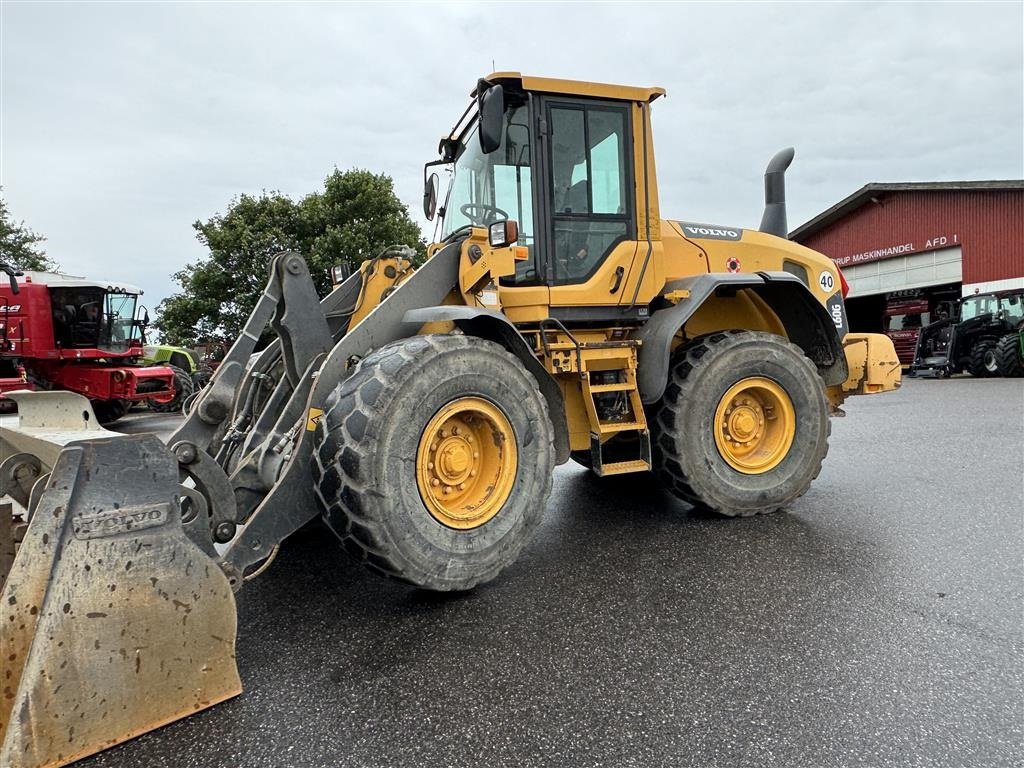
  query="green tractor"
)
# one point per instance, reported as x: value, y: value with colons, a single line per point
x: 182, y: 362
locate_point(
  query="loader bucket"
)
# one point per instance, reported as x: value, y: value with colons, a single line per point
x: 112, y: 622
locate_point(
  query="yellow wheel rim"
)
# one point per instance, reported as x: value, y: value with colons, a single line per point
x: 754, y: 425
x: 466, y: 463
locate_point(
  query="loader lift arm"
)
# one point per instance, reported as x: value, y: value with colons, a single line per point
x: 254, y: 470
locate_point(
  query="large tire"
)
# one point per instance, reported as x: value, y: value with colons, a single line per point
x: 685, y: 448
x: 109, y: 411
x: 982, y: 363
x: 368, y: 453
x: 1008, y: 356
x: 183, y: 389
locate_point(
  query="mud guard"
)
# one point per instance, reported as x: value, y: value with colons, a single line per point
x: 112, y: 622
x: 807, y: 322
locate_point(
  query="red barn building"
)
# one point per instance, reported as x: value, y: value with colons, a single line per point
x: 910, y: 250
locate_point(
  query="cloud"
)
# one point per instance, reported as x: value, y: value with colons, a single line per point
x: 122, y: 124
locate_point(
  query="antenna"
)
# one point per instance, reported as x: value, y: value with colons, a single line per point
x: 493, y: 68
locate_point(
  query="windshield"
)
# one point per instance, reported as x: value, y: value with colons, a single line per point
x: 976, y: 306
x: 493, y: 187
x: 1013, y: 309
x: 118, y: 327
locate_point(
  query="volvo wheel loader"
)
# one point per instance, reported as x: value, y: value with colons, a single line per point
x: 422, y: 412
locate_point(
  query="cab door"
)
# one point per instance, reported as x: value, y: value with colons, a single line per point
x: 589, y: 188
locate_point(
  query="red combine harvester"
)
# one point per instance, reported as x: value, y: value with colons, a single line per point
x: 64, y: 332
x: 904, y: 317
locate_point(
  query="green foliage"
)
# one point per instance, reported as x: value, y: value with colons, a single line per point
x: 353, y: 218
x: 19, y: 245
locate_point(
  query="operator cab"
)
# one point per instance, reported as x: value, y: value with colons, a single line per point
x: 93, y: 318
x: 90, y: 314
x: 561, y: 159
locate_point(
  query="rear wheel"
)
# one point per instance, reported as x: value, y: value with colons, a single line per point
x: 183, y: 389
x: 1008, y: 355
x: 434, y: 460
x: 743, y: 426
x: 982, y: 361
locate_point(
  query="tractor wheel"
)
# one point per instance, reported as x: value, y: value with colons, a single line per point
x: 1008, y: 356
x: 434, y: 460
x: 109, y: 411
x: 743, y: 426
x: 183, y: 389
x: 982, y: 362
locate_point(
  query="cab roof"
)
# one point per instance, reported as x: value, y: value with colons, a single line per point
x: 573, y: 87
x: 56, y: 280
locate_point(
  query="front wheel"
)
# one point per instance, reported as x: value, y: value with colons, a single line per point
x: 743, y: 426
x: 982, y: 362
x: 434, y: 460
x: 109, y: 411
x: 183, y: 389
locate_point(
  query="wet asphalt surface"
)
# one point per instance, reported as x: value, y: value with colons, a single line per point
x: 878, y: 623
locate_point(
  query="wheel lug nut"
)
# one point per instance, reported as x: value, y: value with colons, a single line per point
x: 430, y: 465
x: 472, y: 473
x: 447, y: 489
x: 435, y: 482
x: 469, y: 438
x: 476, y: 455
x: 443, y: 433
x: 455, y: 430
x: 462, y: 486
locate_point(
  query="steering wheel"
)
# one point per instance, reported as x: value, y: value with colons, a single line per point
x: 477, y: 213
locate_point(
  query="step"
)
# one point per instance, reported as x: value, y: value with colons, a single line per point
x: 624, y: 387
x: 613, y: 427
x: 624, y: 467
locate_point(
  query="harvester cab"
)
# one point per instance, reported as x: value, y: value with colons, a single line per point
x: 421, y: 412
x: 71, y: 333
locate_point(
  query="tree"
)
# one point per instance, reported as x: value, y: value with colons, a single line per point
x: 19, y: 245
x: 354, y: 218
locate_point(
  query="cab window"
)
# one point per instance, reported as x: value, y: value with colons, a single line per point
x: 497, y: 186
x: 588, y: 186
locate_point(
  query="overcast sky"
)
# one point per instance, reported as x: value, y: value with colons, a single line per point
x: 124, y: 123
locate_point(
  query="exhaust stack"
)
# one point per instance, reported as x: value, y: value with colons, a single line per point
x: 773, y: 222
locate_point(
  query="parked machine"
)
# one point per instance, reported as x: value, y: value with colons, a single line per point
x: 70, y: 333
x: 421, y: 412
x: 974, y: 338
x: 902, y: 322
x: 187, y: 374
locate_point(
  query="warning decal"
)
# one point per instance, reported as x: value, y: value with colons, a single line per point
x: 313, y: 419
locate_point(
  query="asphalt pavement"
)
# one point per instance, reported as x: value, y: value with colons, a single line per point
x: 877, y: 623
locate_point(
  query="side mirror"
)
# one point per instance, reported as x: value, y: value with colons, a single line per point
x: 340, y: 273
x: 503, y: 233
x: 430, y: 197
x: 12, y: 275
x: 491, y: 106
